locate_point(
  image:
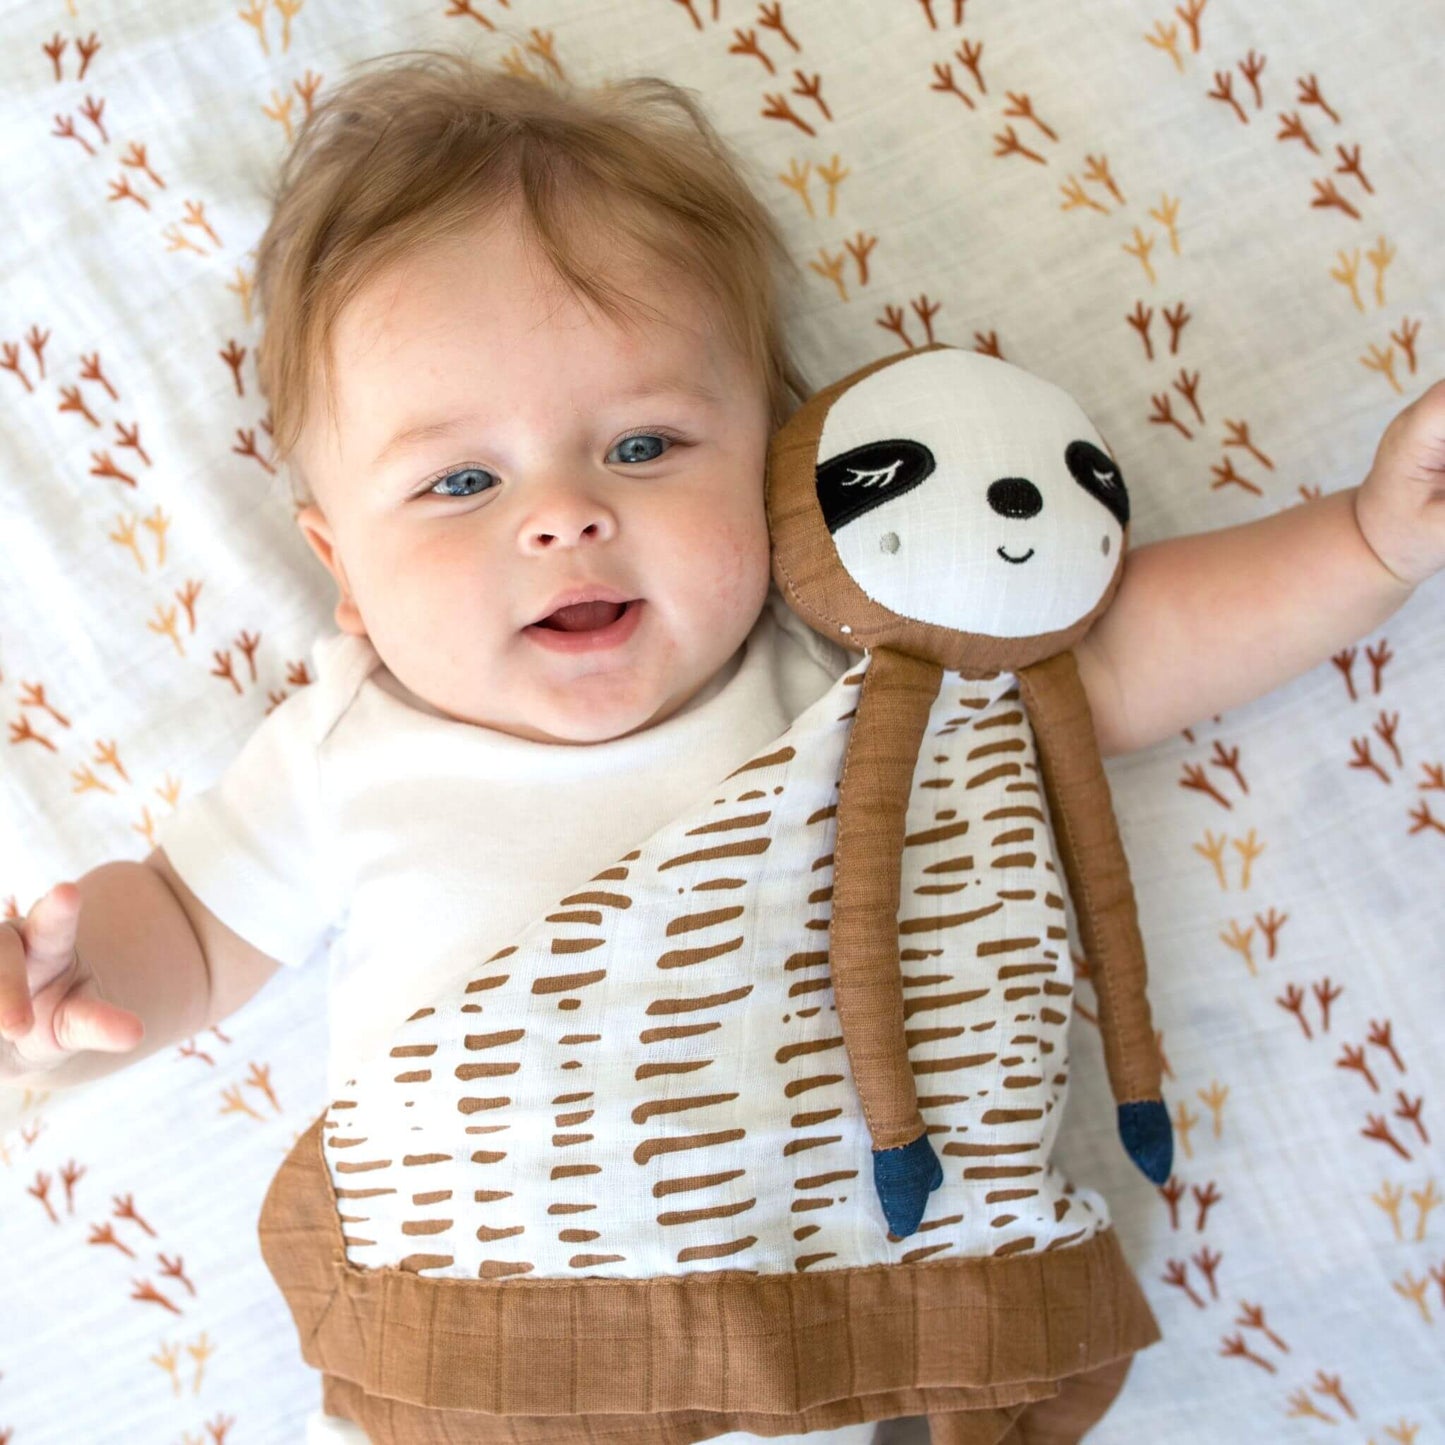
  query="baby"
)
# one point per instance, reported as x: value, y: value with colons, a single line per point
x: 524, y: 358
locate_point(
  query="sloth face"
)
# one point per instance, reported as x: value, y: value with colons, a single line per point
x: 965, y: 492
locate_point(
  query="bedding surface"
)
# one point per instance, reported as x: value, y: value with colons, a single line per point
x: 1215, y: 224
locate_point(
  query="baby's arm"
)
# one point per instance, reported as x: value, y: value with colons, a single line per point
x: 1204, y: 623
x: 110, y: 969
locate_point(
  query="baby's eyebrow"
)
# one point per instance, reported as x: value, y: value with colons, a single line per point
x: 415, y: 433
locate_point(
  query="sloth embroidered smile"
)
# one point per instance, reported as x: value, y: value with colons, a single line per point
x: 1007, y: 558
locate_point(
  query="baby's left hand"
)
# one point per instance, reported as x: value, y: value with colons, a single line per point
x: 1400, y: 506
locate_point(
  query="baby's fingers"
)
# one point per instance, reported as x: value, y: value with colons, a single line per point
x: 15, y: 1016
x: 83, y: 1021
x: 50, y: 929
x: 34, y: 953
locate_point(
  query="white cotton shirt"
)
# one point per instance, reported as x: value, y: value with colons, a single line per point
x: 407, y: 846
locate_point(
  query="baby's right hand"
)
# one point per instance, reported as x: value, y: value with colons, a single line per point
x: 50, y: 1004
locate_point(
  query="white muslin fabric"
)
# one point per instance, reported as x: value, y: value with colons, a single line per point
x: 408, y: 845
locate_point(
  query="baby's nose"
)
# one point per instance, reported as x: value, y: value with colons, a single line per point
x: 568, y: 519
x: 565, y: 536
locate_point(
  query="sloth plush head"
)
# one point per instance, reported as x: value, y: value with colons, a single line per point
x: 944, y: 511
x: 975, y: 516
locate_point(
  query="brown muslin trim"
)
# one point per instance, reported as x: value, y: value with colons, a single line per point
x: 717, y: 1342
x: 1065, y: 1419
x: 395, y: 1422
x: 981, y: 1427
x: 1098, y: 872
x: 1062, y: 1419
x: 873, y: 793
x: 955, y: 1417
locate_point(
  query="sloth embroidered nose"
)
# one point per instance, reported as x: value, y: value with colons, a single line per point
x: 1015, y: 497
x: 584, y: 616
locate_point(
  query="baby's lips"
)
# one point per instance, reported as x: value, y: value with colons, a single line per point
x: 589, y: 593
x: 584, y: 616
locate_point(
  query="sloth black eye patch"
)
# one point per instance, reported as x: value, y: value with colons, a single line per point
x: 1099, y: 475
x: 864, y: 477
x: 867, y: 476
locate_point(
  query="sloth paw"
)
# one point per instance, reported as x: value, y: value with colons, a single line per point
x: 1144, y: 1128
x: 904, y: 1178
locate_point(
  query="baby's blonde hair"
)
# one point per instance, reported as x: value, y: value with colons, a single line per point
x: 429, y: 143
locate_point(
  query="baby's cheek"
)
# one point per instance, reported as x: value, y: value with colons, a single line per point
x: 743, y: 562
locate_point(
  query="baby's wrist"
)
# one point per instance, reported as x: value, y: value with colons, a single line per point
x: 1359, y: 505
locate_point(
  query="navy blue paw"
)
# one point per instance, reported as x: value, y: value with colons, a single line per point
x: 1144, y: 1128
x: 904, y: 1178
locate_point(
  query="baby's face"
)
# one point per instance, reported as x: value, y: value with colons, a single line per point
x: 579, y: 461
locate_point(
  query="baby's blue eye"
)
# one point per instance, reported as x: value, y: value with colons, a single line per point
x: 440, y: 489
x: 644, y: 438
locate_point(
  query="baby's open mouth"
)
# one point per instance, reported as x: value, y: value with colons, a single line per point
x: 584, y: 616
x: 594, y: 626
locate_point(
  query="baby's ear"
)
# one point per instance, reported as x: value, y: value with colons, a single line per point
x: 314, y: 527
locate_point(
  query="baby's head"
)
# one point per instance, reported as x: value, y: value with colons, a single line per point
x: 523, y: 357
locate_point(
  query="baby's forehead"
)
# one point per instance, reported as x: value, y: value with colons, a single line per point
x: 418, y: 336
x: 499, y: 292
x: 518, y: 300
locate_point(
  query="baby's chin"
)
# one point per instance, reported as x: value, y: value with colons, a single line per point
x: 583, y: 722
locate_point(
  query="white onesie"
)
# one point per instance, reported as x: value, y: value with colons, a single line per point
x: 360, y: 821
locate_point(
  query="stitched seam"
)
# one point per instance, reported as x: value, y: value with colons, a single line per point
x: 837, y: 868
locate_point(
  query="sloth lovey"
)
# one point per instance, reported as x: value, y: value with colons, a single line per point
x: 945, y: 512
